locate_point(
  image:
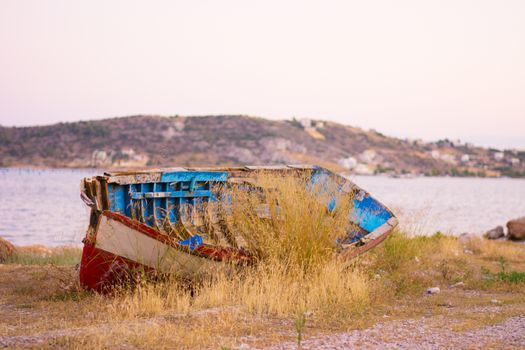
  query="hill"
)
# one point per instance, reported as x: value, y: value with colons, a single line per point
x: 156, y: 141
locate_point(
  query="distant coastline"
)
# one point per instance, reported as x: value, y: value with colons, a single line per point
x: 156, y: 141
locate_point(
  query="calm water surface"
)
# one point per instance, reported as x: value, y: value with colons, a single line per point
x: 426, y: 205
x: 44, y: 207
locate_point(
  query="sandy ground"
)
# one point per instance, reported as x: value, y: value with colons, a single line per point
x: 490, y: 325
x: 421, y: 333
x: 39, y: 308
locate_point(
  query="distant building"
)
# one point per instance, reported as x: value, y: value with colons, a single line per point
x: 347, y: 163
x: 498, y: 156
x: 305, y: 123
x: 368, y: 156
x: 465, y: 158
x: 363, y: 169
x: 449, y: 158
x: 445, y: 157
x: 179, y: 124
x: 99, y: 158
x: 128, y: 151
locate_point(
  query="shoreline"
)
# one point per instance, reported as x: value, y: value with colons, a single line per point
x: 345, y: 174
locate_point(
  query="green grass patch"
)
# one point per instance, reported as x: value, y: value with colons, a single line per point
x: 63, y: 256
x: 511, y: 277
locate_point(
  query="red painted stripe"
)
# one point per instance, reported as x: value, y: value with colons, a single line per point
x: 101, y: 270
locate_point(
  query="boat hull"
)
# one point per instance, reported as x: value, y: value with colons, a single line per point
x: 132, y: 212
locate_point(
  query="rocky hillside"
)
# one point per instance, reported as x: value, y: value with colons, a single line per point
x: 153, y: 141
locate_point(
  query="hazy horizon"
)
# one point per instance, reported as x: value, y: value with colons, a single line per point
x: 429, y: 70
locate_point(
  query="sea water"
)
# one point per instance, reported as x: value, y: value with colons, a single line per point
x: 44, y: 206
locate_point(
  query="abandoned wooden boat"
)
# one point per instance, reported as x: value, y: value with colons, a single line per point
x: 152, y: 220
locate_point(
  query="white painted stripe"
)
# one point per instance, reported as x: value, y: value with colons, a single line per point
x: 381, y: 230
x: 117, y: 238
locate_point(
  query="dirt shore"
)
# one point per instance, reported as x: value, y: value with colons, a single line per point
x: 421, y: 333
x: 39, y: 311
x: 379, y: 301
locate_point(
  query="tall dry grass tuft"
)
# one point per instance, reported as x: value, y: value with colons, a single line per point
x: 285, y: 220
x: 7, y: 249
x: 152, y: 299
x: 496, y: 249
x: 330, y: 292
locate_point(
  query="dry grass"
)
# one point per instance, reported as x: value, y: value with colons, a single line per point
x: 285, y: 225
x: 262, y: 304
x: 496, y: 249
x: 293, y: 237
x: 297, y: 287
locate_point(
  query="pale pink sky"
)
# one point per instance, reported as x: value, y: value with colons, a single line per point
x: 429, y: 69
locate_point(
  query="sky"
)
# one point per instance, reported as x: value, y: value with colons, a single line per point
x: 416, y: 69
